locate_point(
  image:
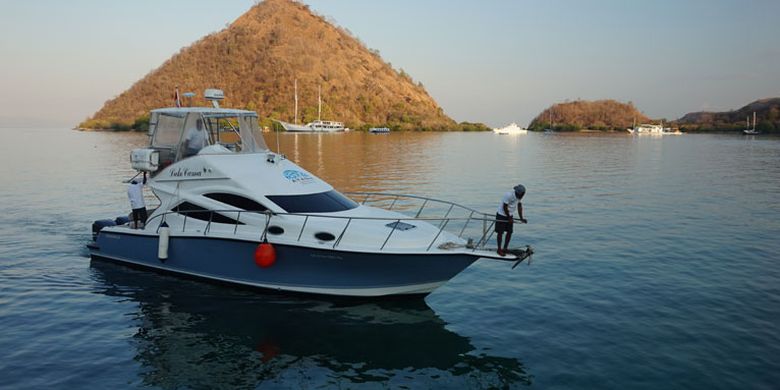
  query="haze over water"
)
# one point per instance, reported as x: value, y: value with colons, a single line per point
x: 655, y: 267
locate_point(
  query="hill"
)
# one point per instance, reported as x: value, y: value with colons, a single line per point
x: 767, y: 118
x: 256, y: 60
x: 606, y: 115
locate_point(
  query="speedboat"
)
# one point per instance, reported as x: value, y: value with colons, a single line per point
x: 379, y: 130
x: 237, y: 212
x: 511, y: 129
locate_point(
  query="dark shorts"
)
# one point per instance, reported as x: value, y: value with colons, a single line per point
x: 503, y: 224
x: 139, y: 214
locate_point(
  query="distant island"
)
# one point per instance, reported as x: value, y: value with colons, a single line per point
x: 603, y: 115
x: 257, y: 59
x: 767, y: 118
x: 611, y: 115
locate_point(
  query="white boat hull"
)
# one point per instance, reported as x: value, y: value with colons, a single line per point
x: 295, y: 128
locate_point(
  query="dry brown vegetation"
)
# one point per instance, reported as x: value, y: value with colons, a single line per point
x: 256, y: 60
x: 589, y: 115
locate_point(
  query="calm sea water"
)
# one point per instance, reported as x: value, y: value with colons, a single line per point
x: 657, y: 266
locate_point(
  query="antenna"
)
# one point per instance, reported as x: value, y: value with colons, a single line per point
x: 296, y: 101
x: 276, y: 130
x: 214, y: 95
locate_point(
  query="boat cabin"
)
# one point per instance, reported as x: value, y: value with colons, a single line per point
x: 181, y: 132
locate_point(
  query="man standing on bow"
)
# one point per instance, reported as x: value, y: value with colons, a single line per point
x: 504, y: 220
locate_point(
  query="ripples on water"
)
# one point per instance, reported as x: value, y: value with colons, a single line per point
x: 656, y: 267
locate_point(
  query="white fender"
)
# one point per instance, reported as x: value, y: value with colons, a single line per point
x: 162, y: 246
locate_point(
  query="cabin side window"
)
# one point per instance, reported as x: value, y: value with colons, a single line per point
x: 237, y: 201
x: 324, y: 202
x: 202, y: 214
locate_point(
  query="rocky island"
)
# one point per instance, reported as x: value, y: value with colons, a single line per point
x: 604, y: 115
x: 611, y: 115
x: 767, y: 118
x: 257, y: 59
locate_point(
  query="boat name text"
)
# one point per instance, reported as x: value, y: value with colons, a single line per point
x: 186, y: 172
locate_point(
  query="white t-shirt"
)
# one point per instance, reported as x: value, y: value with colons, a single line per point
x: 196, y: 139
x: 510, y: 200
x: 135, y: 192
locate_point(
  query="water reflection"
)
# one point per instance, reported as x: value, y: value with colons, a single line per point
x: 361, y: 161
x: 197, y: 335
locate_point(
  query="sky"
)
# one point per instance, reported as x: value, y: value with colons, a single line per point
x: 493, y: 62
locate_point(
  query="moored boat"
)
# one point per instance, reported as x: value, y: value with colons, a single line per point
x: 647, y: 129
x: 748, y: 130
x: 511, y: 129
x: 291, y: 127
x: 326, y: 126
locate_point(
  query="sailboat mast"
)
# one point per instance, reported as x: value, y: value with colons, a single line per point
x: 296, y: 101
x: 754, y: 120
x: 319, y: 109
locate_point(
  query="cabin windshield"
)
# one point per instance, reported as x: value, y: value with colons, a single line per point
x: 179, y: 134
x: 238, y: 133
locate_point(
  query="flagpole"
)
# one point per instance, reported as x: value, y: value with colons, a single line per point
x: 177, y: 99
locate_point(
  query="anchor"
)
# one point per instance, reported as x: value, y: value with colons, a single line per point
x: 522, y: 254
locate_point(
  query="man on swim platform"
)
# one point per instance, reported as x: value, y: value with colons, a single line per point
x: 135, y: 192
x: 504, y: 221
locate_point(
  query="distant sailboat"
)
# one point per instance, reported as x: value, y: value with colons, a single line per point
x: 748, y: 130
x: 317, y: 126
x: 550, y: 129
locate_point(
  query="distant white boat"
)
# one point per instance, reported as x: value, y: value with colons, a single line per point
x: 325, y: 126
x: 511, y: 129
x: 647, y: 129
x: 379, y: 130
x: 748, y: 130
x: 314, y: 127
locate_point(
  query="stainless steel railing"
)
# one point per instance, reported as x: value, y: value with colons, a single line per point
x: 441, y: 222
